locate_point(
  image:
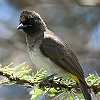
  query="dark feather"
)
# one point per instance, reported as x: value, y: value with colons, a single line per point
x: 61, y: 54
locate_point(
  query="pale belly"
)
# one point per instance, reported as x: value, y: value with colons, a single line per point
x: 41, y: 61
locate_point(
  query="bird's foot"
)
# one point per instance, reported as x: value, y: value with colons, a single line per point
x: 50, y: 77
x: 48, y: 80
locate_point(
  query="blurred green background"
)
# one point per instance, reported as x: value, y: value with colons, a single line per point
x: 77, y: 22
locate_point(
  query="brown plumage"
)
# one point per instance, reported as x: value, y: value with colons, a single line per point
x: 47, y: 50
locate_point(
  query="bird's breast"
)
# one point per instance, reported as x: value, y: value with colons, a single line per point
x: 42, y: 61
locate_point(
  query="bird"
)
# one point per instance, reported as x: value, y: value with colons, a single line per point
x: 47, y: 50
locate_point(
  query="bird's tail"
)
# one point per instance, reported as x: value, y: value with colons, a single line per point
x: 84, y: 89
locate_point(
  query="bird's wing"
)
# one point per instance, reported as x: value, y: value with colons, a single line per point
x: 60, y: 53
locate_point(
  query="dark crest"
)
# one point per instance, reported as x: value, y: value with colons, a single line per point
x: 31, y: 19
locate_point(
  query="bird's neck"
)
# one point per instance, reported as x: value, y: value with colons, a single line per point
x: 34, y: 39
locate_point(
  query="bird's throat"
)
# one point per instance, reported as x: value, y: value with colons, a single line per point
x: 34, y: 39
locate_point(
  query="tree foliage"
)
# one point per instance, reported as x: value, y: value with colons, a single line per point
x: 51, y: 86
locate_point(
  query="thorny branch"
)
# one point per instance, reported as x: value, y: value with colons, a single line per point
x: 48, y: 83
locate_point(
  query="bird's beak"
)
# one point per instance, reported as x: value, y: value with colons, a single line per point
x: 21, y: 26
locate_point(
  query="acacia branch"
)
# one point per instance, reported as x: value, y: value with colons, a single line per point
x: 43, y: 83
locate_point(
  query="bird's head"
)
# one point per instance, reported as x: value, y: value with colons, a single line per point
x: 31, y: 22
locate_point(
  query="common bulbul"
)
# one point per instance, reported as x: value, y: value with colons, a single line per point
x: 49, y: 51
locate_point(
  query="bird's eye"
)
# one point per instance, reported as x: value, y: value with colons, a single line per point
x: 30, y: 25
x: 30, y: 16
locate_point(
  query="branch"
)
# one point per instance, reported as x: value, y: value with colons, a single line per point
x: 22, y: 75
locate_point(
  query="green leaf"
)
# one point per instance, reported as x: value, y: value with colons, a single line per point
x: 35, y: 93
